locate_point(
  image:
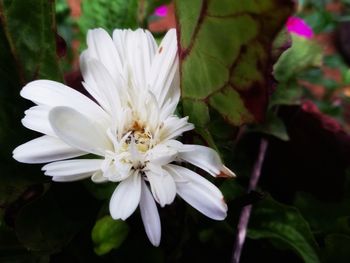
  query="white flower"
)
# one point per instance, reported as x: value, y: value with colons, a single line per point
x: 130, y: 128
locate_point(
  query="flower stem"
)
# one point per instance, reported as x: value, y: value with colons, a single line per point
x: 245, y: 214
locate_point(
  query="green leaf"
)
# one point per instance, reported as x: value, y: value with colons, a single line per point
x: 303, y: 54
x: 108, y: 234
x: 29, y: 31
x: 272, y: 220
x: 337, y: 248
x: 224, y: 54
x: 286, y: 94
x: 28, y: 51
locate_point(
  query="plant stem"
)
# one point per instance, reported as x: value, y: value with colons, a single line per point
x: 245, y: 214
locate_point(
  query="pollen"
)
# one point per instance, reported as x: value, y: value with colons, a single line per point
x: 141, y: 137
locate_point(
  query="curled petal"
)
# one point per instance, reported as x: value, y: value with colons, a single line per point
x: 98, y: 177
x: 204, y: 158
x: 37, y: 119
x: 199, y: 192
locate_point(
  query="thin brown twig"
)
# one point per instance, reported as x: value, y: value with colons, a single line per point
x: 246, y: 211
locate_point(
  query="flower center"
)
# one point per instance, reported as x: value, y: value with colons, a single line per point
x: 142, y: 140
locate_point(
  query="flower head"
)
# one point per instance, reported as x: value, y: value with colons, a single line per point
x: 161, y: 10
x: 298, y: 26
x: 129, y: 126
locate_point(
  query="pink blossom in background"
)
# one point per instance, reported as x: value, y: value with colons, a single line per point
x: 161, y: 10
x: 298, y: 26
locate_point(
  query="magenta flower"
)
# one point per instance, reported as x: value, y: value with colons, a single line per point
x: 161, y: 10
x: 298, y: 26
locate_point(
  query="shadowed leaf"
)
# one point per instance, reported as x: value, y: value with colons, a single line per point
x: 272, y: 220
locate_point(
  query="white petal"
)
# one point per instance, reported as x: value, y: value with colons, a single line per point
x: 119, y: 39
x: 98, y: 177
x: 100, y: 83
x: 72, y: 167
x: 174, y: 127
x: 78, y: 131
x: 199, y: 193
x: 164, y: 68
x: 162, y: 185
x: 71, y: 178
x: 204, y: 158
x: 101, y: 47
x: 45, y: 149
x: 51, y: 93
x: 118, y: 171
x: 37, y: 119
x: 126, y: 197
x: 161, y: 154
x: 140, y: 51
x: 150, y: 216
x: 89, y: 83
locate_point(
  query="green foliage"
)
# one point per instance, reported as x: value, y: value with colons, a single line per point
x: 108, y: 234
x: 303, y: 54
x: 224, y: 50
x: 115, y: 14
x: 108, y: 14
x: 322, y: 216
x: 34, y: 54
x: 272, y: 220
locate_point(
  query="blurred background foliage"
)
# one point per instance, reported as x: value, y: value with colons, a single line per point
x: 301, y: 211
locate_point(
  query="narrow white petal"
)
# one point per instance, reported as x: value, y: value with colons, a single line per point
x: 126, y: 197
x: 119, y: 39
x: 37, y: 119
x: 174, y: 127
x: 100, y: 82
x: 78, y: 131
x: 45, y: 149
x: 51, y: 93
x: 101, y: 47
x: 140, y: 51
x: 72, y: 167
x: 168, y: 108
x: 71, y: 178
x: 150, y: 216
x: 204, y: 158
x: 164, y: 69
x: 163, y: 186
x: 199, y: 193
x: 89, y: 82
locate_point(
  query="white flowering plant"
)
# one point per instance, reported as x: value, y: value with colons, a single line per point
x: 134, y: 138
